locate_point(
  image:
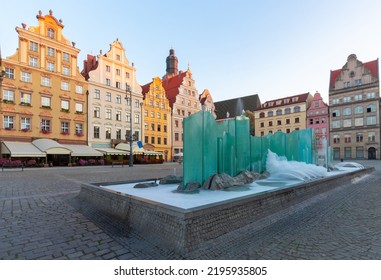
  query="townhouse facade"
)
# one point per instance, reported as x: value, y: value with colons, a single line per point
x: 157, y: 125
x: 284, y: 114
x: 354, y: 99
x: 182, y: 94
x: 115, y: 98
x: 318, y: 120
x: 207, y: 103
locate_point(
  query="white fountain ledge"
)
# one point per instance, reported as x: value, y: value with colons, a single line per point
x: 283, y: 174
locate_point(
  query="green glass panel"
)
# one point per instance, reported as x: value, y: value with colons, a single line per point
x: 229, y: 154
x: 256, y: 154
x: 292, y: 146
x: 242, y: 140
x: 278, y: 143
x: 209, y: 159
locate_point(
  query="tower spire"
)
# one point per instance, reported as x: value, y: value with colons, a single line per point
x: 172, y: 63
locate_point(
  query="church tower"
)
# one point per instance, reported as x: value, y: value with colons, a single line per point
x: 172, y: 63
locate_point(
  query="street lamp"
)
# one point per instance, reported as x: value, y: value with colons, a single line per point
x: 129, y: 137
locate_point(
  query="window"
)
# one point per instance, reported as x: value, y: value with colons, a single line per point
x: 297, y: 120
x: 158, y: 115
x: 96, y: 132
x: 118, y: 57
x: 262, y: 124
x: 25, y: 123
x: 152, y: 126
x: 176, y: 136
x: 8, y: 122
x: 347, y: 111
x: 45, y: 125
x: 78, y: 129
x: 65, y: 105
x: 279, y: 122
x: 347, y: 99
x: 8, y: 95
x: 371, y: 120
x: 128, y: 101
x: 270, y: 123
x: 359, y: 110
x: 371, y: 108
x: 118, y: 115
x: 370, y: 95
x: 118, y: 99
x: 50, y: 33
x: 66, y: 57
x: 359, y: 121
x: 371, y: 136
x: 64, y: 85
x: 278, y: 112
x: 158, y: 127
x: 50, y: 52
x: 50, y: 66
x: 270, y: 113
x: 108, y: 132
x: 137, y: 118
x: 25, y: 98
x: 33, y: 61
x: 347, y: 84
x: 127, y: 75
x: 25, y: 77
x: 311, y: 121
x: 108, y: 68
x: 108, y: 114
x: 322, y: 120
x: 176, y: 123
x: 118, y: 72
x: 347, y: 152
x: 128, y: 117
x: 97, y: 94
x: 145, y: 139
x: 165, y: 117
x: 347, y: 138
x: 336, y: 139
x: 336, y: 113
x: 358, y: 82
x: 165, y: 141
x: 359, y: 137
x: 159, y: 140
x: 108, y: 82
x: 118, y: 133
x: 65, y: 71
x: 288, y: 130
x: 152, y: 140
x: 137, y: 103
x: 347, y: 123
x: 9, y: 73
x: 64, y: 128
x: 287, y: 111
x: 288, y: 121
x: 78, y: 107
x: 97, y: 112
x: 33, y: 46
x: 145, y: 126
x: 359, y: 152
x: 165, y: 128
x: 296, y: 109
x: 78, y: 89
x: 336, y: 124
x: 45, y: 81
x: 117, y: 84
x: 261, y: 115
x: 358, y: 97
x: 317, y: 121
x: 108, y: 96
x: 45, y: 102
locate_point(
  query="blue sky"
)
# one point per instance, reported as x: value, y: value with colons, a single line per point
x: 235, y: 48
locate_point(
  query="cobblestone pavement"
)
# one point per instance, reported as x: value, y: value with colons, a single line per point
x: 40, y: 218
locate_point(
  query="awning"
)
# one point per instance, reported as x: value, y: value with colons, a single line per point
x: 82, y: 151
x: 51, y: 147
x: 126, y: 147
x: 111, y: 151
x: 152, y: 153
x: 20, y: 149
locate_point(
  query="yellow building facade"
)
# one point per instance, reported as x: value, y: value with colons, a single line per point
x: 43, y: 94
x: 284, y: 114
x: 156, y: 119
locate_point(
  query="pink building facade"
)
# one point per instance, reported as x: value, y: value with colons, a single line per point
x: 318, y: 119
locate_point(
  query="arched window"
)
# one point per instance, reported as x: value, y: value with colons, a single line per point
x: 371, y: 108
x: 270, y: 113
x: 261, y: 115
x: 278, y: 112
x: 296, y: 109
x: 335, y: 113
x: 359, y: 110
x: 287, y: 111
x: 51, y: 33
x: 347, y: 111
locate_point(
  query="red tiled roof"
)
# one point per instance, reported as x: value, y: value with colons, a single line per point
x: 372, y: 66
x: 172, y: 85
x: 283, y: 101
x: 145, y: 89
